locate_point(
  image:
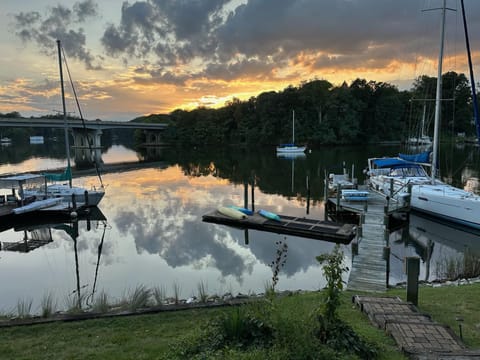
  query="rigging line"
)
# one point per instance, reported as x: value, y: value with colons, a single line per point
x: 80, y: 113
x: 100, y: 247
x: 472, y: 80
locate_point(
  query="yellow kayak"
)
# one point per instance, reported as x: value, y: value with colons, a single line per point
x: 232, y: 213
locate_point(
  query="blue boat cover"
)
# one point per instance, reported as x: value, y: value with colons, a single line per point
x: 392, y: 163
x: 423, y: 157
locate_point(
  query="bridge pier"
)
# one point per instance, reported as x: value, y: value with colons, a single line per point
x: 153, y: 138
x: 83, y: 137
x: 87, y: 146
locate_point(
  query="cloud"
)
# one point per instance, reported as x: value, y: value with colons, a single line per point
x: 58, y: 23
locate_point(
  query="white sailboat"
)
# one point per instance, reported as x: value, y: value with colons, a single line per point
x: 392, y: 176
x: 422, y: 139
x: 58, y: 187
x: 291, y: 148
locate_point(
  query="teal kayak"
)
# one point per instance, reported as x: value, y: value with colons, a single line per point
x: 269, y: 215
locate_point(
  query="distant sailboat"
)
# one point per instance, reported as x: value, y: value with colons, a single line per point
x: 291, y: 148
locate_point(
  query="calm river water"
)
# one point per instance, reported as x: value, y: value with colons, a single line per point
x: 154, y: 235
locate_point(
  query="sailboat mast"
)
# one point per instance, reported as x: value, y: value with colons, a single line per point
x: 472, y: 80
x: 65, y: 126
x: 293, y: 127
x: 438, y: 95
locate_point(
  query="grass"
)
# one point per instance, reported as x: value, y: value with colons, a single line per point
x: 155, y: 336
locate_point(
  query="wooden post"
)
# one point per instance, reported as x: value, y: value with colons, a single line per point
x: 253, y: 192
x: 245, y: 194
x: 413, y: 271
x: 386, y: 257
x: 308, y: 195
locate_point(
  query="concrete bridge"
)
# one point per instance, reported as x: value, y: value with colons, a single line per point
x: 87, y: 131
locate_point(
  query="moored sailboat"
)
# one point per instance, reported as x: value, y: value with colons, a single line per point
x: 392, y: 176
x: 57, y: 186
x: 291, y: 148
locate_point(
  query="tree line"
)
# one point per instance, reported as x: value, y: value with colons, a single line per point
x: 362, y: 112
x: 359, y: 113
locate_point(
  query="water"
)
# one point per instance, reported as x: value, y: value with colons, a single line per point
x: 154, y: 235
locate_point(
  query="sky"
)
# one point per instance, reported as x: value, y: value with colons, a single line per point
x: 134, y: 58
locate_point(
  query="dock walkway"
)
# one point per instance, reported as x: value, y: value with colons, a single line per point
x: 369, y: 271
x: 416, y: 334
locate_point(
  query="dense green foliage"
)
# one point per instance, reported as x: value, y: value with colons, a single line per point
x: 364, y: 111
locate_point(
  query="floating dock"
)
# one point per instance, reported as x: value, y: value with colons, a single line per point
x: 289, y: 225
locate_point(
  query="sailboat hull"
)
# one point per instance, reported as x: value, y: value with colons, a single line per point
x: 290, y: 149
x: 82, y: 196
x: 448, y: 203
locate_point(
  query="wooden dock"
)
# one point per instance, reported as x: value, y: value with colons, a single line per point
x: 376, y: 217
x: 289, y: 225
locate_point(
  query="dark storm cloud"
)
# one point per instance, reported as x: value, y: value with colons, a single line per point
x: 229, y: 40
x: 59, y: 22
x: 166, y: 28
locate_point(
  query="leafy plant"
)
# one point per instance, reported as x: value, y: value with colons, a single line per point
x: 331, y: 330
x: 332, y: 270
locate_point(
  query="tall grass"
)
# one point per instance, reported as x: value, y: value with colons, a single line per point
x: 458, y: 267
x: 159, y: 295
x: 176, y: 293
x: 138, y: 298
x: 48, y: 305
x: 101, y: 303
x: 202, y: 292
x: 24, y: 308
x: 74, y: 301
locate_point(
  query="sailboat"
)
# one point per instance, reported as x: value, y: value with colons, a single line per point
x: 58, y: 187
x: 393, y: 176
x: 423, y: 139
x: 291, y: 148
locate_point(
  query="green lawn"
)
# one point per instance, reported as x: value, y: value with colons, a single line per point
x: 158, y: 336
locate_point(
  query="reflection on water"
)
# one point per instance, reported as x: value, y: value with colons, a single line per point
x: 156, y: 236
x: 434, y: 243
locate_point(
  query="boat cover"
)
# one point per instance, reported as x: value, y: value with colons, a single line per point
x: 392, y: 163
x: 423, y: 157
x: 66, y: 175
